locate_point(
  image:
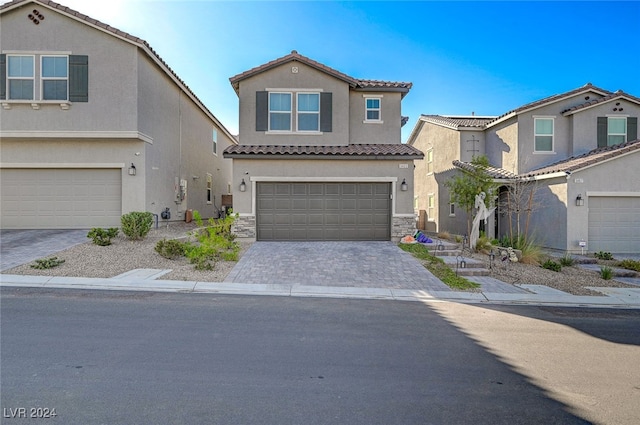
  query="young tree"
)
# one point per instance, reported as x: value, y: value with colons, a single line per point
x: 465, y: 186
x: 519, y: 199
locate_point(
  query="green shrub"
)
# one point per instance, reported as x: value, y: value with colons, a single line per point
x: 551, y: 265
x: 483, y: 244
x: 606, y: 272
x: 101, y: 236
x: 216, y: 242
x: 47, y: 263
x: 630, y: 264
x: 601, y: 255
x: 567, y: 260
x: 170, y: 249
x: 136, y: 225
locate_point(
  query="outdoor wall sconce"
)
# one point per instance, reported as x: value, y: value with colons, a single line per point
x: 403, y: 186
x: 132, y: 170
x: 243, y: 186
x: 579, y: 200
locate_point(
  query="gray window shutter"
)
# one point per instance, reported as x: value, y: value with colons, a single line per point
x: 262, y: 111
x: 602, y: 132
x: 632, y: 129
x: 3, y: 76
x: 78, y: 78
x: 325, y: 111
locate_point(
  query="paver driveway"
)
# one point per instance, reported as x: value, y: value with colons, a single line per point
x: 353, y: 264
x: 22, y: 246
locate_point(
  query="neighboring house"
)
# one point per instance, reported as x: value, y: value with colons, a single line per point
x: 320, y: 155
x: 94, y: 124
x: 581, y: 149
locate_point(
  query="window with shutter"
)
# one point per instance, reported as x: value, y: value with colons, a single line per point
x: 79, y: 78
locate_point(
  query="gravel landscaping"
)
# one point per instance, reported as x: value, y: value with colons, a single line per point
x: 90, y: 260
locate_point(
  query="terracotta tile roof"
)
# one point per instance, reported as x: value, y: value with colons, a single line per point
x: 568, y: 165
x: 608, y: 98
x: 355, y: 83
x: 364, y: 151
x: 590, y: 158
x: 494, y: 172
x: 458, y: 121
x: 124, y: 35
x: 554, y: 98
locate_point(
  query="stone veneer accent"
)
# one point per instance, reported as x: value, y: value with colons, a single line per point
x: 401, y: 227
x: 245, y: 227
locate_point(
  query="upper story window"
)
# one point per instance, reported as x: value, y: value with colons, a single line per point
x: 20, y: 77
x: 430, y: 161
x: 43, y: 77
x: 373, y: 109
x: 308, y: 111
x: 55, y: 73
x: 215, y: 141
x: 543, y: 133
x: 616, y: 130
x: 280, y: 111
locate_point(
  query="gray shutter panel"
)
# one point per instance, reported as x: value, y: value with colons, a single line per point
x: 326, y: 111
x: 632, y: 129
x: 78, y: 78
x: 262, y: 111
x: 3, y: 76
x: 602, y: 132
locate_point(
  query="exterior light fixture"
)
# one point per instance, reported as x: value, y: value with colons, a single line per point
x: 243, y: 186
x: 403, y: 186
x: 132, y: 170
x: 579, y: 200
x: 492, y: 258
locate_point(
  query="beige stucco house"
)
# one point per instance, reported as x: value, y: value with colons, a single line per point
x: 320, y: 155
x: 579, y: 150
x: 94, y: 124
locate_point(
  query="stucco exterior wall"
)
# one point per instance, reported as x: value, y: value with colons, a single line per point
x: 282, y: 78
x: 386, y: 131
x: 501, y: 145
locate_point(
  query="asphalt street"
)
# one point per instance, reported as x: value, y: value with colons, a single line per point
x: 157, y: 358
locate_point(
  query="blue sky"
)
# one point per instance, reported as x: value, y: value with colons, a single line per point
x: 462, y: 57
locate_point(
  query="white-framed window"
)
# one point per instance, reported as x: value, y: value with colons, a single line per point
x: 209, y: 188
x: 54, y: 77
x: 308, y: 111
x: 20, y: 77
x: 616, y: 130
x: 543, y: 134
x: 452, y: 209
x: 429, y: 161
x: 214, y: 144
x: 416, y: 203
x: 372, y: 109
x: 431, y: 207
x: 279, y: 111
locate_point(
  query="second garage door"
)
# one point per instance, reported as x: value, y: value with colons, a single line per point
x: 61, y: 198
x: 614, y: 224
x: 323, y: 211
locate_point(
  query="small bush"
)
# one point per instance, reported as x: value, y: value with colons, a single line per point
x: 551, y: 265
x: 630, y: 265
x: 215, y: 242
x: 606, y: 272
x: 444, y: 235
x: 170, y: 249
x: 47, y: 263
x: 102, y: 237
x: 567, y: 260
x: 483, y: 244
x: 601, y: 255
x: 136, y: 225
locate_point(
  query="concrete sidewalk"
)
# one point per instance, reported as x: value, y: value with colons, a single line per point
x: 148, y: 280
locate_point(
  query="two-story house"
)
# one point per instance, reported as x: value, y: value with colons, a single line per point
x: 579, y: 150
x: 320, y: 155
x: 94, y: 124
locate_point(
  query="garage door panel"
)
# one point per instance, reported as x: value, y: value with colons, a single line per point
x: 61, y: 198
x: 323, y: 211
x: 613, y: 224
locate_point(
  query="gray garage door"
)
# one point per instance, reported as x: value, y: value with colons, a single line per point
x: 323, y: 211
x: 61, y: 198
x: 614, y: 224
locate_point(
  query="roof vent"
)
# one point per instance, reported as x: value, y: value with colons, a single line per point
x: 294, y: 52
